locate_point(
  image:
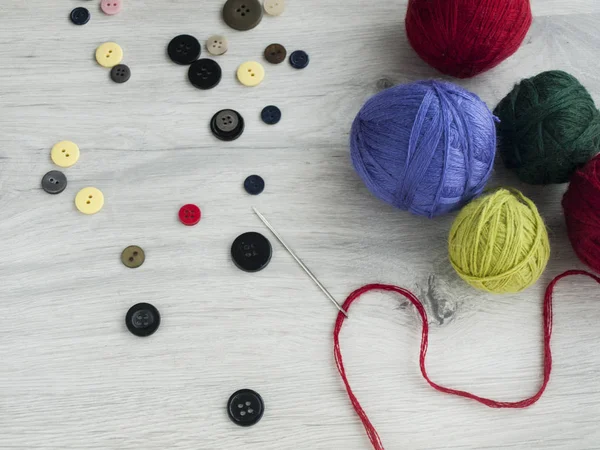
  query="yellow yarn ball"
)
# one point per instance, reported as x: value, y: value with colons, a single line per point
x: 499, y: 243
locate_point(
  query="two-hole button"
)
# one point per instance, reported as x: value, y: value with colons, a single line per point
x: 251, y: 73
x: 89, y: 200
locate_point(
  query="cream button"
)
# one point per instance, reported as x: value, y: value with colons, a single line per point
x: 109, y: 54
x: 89, y: 200
x: 250, y: 73
x: 274, y: 7
x: 65, y: 154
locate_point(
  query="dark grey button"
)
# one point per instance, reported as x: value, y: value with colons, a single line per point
x: 54, y: 182
x: 242, y: 15
x: 245, y: 407
x: 142, y: 319
x: 120, y: 73
x: 227, y: 125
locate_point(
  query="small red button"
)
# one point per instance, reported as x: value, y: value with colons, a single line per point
x: 189, y: 215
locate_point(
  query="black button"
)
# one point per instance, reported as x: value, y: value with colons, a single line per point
x: 275, y: 53
x: 142, y: 319
x: 184, y: 49
x: 120, y: 73
x: 254, y: 184
x: 299, y: 59
x: 251, y: 252
x: 227, y: 125
x: 271, y: 115
x: 242, y: 15
x: 205, y: 73
x: 245, y: 407
x: 80, y: 16
x: 54, y: 182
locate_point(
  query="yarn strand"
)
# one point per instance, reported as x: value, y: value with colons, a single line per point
x: 547, y: 352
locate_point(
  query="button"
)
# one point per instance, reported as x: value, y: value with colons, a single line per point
x: 189, y: 214
x: 111, y: 7
x: 120, y: 73
x: 89, y: 200
x: 270, y: 115
x: 184, y: 49
x: 142, y: 319
x: 205, y: 73
x: 275, y: 53
x: 251, y: 73
x: 251, y: 252
x: 217, y: 45
x: 242, y: 15
x: 299, y: 59
x: 109, y: 54
x: 80, y: 16
x: 254, y: 184
x: 227, y: 125
x: 274, y: 7
x: 133, y: 257
x: 245, y: 407
x: 54, y: 182
x: 65, y: 154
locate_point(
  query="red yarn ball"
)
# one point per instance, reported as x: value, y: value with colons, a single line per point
x: 581, y: 203
x: 464, y: 38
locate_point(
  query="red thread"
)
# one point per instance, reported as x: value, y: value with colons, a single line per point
x: 547, y: 319
x: 463, y: 38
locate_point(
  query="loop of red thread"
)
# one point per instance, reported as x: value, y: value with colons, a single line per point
x: 547, y: 322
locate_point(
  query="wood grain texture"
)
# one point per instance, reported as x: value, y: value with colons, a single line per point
x: 72, y: 377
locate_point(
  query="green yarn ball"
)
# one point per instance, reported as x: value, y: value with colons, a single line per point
x: 549, y: 127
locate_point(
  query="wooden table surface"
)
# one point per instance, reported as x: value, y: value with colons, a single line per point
x: 73, y: 377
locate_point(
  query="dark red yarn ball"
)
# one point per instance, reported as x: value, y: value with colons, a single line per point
x: 463, y: 38
x: 581, y: 203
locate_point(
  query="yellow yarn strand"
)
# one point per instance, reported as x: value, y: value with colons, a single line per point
x: 499, y: 243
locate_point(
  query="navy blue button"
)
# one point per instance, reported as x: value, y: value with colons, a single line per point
x: 271, y: 114
x: 299, y: 59
x: 80, y: 16
x: 254, y: 184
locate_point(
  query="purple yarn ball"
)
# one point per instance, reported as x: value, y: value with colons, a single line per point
x: 425, y: 147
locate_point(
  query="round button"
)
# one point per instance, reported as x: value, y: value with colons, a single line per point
x: 189, y: 214
x: 120, y: 73
x: 254, y: 184
x: 80, y: 16
x: 245, y: 407
x: 109, y: 54
x: 64, y: 153
x: 133, y: 257
x: 275, y: 53
x: 142, y: 319
x: 242, y: 15
x: 227, y: 125
x: 54, y: 182
x: 217, y: 45
x: 270, y: 115
x: 184, y: 49
x: 205, y: 73
x: 251, y: 252
x: 251, y: 73
x: 111, y: 7
x: 299, y: 59
x: 89, y: 200
x: 274, y: 7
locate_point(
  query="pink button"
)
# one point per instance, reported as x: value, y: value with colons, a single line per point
x: 111, y: 7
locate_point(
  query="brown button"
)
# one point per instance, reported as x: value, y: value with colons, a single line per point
x: 133, y: 256
x: 275, y: 53
x: 242, y: 15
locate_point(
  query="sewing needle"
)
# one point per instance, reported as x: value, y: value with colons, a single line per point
x: 299, y: 261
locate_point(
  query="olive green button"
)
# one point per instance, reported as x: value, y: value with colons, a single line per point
x: 133, y: 257
x: 242, y: 15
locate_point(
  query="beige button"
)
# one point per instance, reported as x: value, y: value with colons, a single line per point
x: 89, y: 200
x: 274, y: 7
x: 251, y: 73
x: 109, y: 54
x: 65, y: 153
x: 216, y: 45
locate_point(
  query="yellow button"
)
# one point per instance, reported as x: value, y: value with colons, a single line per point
x: 65, y: 154
x: 250, y: 73
x: 89, y: 200
x: 109, y: 54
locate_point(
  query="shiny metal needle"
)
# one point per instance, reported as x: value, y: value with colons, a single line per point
x: 300, y: 263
